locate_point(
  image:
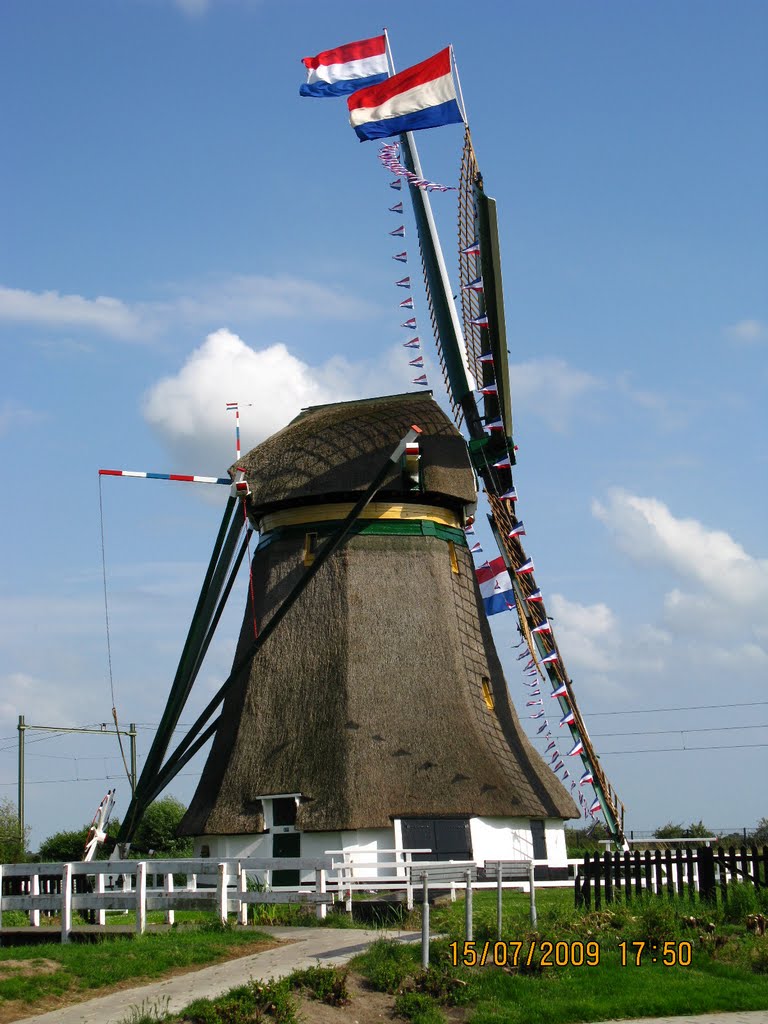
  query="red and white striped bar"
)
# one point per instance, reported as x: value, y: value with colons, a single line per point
x: 167, y: 476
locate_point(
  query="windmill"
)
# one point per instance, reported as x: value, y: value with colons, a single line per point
x: 366, y: 700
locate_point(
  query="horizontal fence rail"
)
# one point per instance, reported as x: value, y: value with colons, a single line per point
x: 233, y: 885
x: 700, y: 873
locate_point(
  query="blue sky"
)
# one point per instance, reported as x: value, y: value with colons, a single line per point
x: 180, y: 229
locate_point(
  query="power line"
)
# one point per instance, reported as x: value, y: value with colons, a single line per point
x: 686, y: 750
x: 668, y: 732
x: 690, y: 707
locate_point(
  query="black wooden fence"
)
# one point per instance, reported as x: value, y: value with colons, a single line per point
x: 692, y: 873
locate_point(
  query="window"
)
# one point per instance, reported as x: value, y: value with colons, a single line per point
x: 539, y: 836
x: 487, y: 694
x: 452, y: 556
x: 310, y: 548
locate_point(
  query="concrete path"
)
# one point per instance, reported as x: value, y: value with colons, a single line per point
x: 302, y: 947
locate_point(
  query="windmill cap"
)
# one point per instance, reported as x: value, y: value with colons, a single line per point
x: 333, y: 452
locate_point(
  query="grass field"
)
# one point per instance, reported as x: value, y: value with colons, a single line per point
x: 719, y: 966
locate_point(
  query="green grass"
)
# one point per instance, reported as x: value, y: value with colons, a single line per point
x: 728, y: 971
x: 83, y: 967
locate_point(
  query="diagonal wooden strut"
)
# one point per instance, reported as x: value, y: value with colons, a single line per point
x: 150, y: 786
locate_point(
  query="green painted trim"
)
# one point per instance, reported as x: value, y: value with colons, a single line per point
x: 372, y: 528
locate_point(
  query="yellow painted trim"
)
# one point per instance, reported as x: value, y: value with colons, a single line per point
x: 376, y: 510
x: 453, y: 558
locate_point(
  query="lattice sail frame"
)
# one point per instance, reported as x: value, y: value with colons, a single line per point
x: 503, y: 512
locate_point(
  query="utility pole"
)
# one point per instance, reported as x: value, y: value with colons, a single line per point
x: 104, y: 730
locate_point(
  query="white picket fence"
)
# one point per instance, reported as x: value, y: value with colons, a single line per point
x: 230, y: 886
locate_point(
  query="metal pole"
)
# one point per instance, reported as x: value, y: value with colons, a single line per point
x: 425, y: 921
x: 22, y: 727
x: 468, y: 908
x: 132, y: 737
x: 532, y: 884
x: 499, y: 894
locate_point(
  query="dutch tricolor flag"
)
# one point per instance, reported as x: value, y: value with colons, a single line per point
x: 346, y: 68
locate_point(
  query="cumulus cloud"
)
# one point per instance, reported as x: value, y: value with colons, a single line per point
x: 242, y: 298
x: 747, y: 332
x: 551, y: 389
x: 646, y: 529
x: 188, y: 409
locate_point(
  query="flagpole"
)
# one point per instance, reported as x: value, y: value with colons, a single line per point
x: 458, y: 84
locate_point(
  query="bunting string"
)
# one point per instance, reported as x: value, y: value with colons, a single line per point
x: 389, y: 155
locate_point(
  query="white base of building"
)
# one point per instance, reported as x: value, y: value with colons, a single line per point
x: 490, y: 839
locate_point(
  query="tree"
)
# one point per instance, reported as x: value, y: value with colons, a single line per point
x: 69, y: 845
x: 157, y: 830
x: 12, y: 846
x: 670, y: 831
x: 760, y: 835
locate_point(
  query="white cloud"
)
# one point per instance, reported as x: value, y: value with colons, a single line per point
x: 646, y: 529
x: 242, y: 298
x: 13, y: 414
x: 188, y: 409
x: 588, y: 633
x: 55, y: 310
x: 551, y: 389
x: 747, y: 332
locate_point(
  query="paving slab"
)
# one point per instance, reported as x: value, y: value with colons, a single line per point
x: 301, y: 947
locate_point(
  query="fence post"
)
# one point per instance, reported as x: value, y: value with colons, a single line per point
x: 66, y: 901
x: 100, y: 889
x: 320, y: 887
x: 170, y: 915
x: 532, y: 884
x: 499, y: 895
x: 141, y: 897
x: 221, y: 892
x: 242, y: 889
x: 706, y: 859
x: 34, y: 890
x: 408, y: 881
x: 468, y: 906
x: 425, y: 921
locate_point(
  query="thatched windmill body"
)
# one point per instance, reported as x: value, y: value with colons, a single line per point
x: 377, y: 711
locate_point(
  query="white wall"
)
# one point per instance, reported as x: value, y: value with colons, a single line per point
x: 511, y: 839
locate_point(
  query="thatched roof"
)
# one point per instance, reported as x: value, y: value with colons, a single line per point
x: 368, y: 697
x: 368, y: 700
x: 334, y: 451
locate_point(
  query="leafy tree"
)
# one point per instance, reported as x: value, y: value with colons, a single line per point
x: 760, y: 835
x: 12, y: 846
x: 670, y: 831
x: 157, y: 830
x: 68, y: 845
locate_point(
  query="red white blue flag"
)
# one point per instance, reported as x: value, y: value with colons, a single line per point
x: 401, y: 257
x: 418, y: 361
x: 410, y: 323
x: 534, y: 597
x: 495, y: 585
x: 518, y: 530
x: 407, y: 303
x: 404, y: 282
x: 413, y: 343
x: 526, y: 567
x: 578, y: 748
x: 421, y: 380
x: 346, y: 68
x: 567, y: 719
x: 543, y: 628
x: 423, y: 96
x: 561, y: 691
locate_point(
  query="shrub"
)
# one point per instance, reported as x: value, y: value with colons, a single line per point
x: 326, y: 984
x: 419, y: 1008
x: 387, y: 964
x: 742, y: 900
